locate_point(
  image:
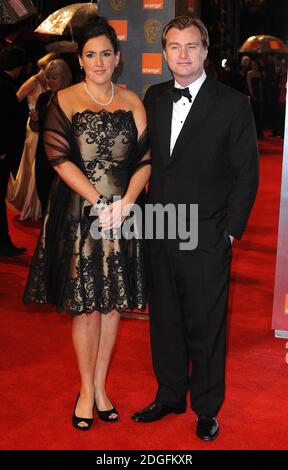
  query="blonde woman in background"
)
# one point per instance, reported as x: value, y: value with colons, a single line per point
x: 58, y: 75
x: 22, y: 192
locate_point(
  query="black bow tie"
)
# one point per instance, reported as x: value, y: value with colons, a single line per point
x: 177, y: 93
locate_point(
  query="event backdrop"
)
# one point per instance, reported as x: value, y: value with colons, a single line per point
x: 280, y: 304
x: 139, y: 24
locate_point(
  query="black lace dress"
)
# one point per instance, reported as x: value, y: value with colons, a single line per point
x: 70, y: 269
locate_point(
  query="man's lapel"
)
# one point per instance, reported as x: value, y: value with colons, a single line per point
x: 200, y: 109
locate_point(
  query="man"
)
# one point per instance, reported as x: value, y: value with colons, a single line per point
x: 11, y: 63
x: 204, y: 152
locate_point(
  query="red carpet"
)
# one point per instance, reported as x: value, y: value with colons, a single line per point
x: 39, y: 379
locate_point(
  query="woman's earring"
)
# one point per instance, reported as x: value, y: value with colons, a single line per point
x: 81, y: 67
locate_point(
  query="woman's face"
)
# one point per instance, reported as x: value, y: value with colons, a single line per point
x: 55, y: 81
x: 254, y: 65
x: 99, y: 60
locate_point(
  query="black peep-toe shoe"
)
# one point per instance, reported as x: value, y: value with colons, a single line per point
x: 107, y: 415
x: 76, y: 420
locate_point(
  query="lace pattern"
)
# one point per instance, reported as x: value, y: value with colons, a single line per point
x: 70, y: 269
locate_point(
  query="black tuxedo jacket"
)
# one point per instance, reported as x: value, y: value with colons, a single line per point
x: 214, y: 162
x: 11, y: 134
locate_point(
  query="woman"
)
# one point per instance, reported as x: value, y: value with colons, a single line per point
x: 22, y: 192
x: 255, y: 89
x: 95, y: 138
x: 57, y: 76
x: 36, y: 84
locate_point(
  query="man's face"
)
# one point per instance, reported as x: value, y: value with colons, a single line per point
x: 185, y: 54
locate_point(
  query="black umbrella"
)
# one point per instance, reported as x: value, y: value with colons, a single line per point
x: 12, y: 11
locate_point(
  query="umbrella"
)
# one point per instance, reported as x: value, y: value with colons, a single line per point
x: 68, y: 19
x: 263, y: 44
x: 13, y: 11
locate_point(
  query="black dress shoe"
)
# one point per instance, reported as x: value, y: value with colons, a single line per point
x: 154, y: 412
x: 207, y: 428
x: 8, y: 249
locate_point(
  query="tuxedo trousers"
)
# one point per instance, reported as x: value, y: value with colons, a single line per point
x: 188, y: 316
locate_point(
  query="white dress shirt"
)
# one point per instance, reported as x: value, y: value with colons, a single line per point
x: 182, y: 107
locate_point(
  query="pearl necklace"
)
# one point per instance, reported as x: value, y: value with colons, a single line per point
x: 94, y: 99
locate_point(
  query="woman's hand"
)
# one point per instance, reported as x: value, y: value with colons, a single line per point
x: 33, y: 121
x: 114, y: 215
x: 34, y: 114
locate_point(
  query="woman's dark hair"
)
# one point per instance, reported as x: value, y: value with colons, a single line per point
x: 96, y: 27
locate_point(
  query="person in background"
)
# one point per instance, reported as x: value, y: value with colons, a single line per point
x: 12, y: 60
x: 57, y: 76
x: 204, y: 153
x: 231, y: 76
x: 244, y: 68
x: 36, y: 84
x: 255, y: 90
x: 22, y: 193
x: 280, y: 128
x: 275, y: 87
x: 96, y: 139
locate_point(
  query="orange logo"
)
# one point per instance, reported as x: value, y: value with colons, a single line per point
x: 121, y: 29
x: 153, y: 5
x: 151, y: 63
x: 286, y: 303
